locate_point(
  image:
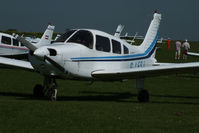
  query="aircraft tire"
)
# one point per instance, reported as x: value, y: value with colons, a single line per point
x: 143, y: 96
x: 53, y: 96
x: 38, y: 90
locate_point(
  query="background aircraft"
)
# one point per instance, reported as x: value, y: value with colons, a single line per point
x: 10, y: 47
x: 192, y: 53
x: 129, y: 39
x: 85, y: 54
x: 160, y: 40
x: 32, y: 39
x: 119, y: 30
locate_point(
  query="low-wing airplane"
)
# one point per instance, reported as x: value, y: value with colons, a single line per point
x: 132, y: 40
x: 32, y: 39
x: 85, y: 54
x: 119, y: 30
x: 10, y: 47
x: 129, y: 39
x: 192, y: 53
x: 160, y: 40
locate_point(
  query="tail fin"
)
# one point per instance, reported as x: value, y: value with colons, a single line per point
x: 47, y: 36
x: 152, y: 34
x: 119, y: 30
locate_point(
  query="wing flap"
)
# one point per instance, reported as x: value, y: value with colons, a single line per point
x: 13, y: 63
x: 157, y: 70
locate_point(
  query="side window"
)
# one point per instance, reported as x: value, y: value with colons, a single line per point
x: 83, y: 37
x: 126, y: 50
x: 22, y: 44
x: 102, y: 44
x: 116, y: 47
x: 6, y: 40
x: 15, y: 42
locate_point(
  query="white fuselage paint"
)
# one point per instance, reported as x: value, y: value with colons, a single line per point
x: 9, y: 47
x: 79, y: 61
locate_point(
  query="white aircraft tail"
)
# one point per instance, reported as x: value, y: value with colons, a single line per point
x: 47, y: 36
x: 119, y: 30
x: 150, y: 39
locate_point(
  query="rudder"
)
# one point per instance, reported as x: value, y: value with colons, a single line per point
x: 152, y: 33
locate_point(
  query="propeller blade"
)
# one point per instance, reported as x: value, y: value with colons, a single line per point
x: 26, y: 43
x: 55, y: 64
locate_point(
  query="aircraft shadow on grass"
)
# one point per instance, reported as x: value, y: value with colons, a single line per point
x: 91, y: 96
x: 104, y: 97
x: 100, y: 96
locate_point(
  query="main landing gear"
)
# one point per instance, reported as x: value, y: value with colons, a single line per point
x: 143, y: 95
x: 48, y: 89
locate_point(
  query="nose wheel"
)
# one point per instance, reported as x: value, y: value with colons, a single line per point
x: 53, y: 91
x: 53, y: 95
x: 38, y: 91
x: 47, y: 90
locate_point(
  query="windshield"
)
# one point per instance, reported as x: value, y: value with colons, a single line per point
x: 83, y: 37
x: 65, y: 36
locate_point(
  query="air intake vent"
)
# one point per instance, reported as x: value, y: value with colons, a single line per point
x: 53, y: 52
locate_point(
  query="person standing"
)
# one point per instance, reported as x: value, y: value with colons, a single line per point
x: 186, y: 47
x: 178, y: 49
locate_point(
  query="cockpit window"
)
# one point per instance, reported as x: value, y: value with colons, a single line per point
x: 65, y: 36
x: 83, y: 37
x: 6, y: 40
x: 116, y: 47
x: 102, y: 44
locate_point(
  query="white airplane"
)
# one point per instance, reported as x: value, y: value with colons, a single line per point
x: 35, y: 40
x: 32, y: 39
x: 160, y: 41
x: 92, y: 55
x: 10, y: 47
x: 119, y: 30
x: 132, y: 40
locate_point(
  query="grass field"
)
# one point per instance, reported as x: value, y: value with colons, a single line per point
x: 102, y: 107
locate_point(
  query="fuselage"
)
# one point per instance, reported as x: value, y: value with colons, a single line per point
x: 81, y: 52
x: 10, y: 46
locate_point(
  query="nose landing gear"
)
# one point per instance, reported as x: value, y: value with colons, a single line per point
x: 47, y: 90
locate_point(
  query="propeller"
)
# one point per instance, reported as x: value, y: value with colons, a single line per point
x: 26, y: 43
x: 54, y: 63
x: 41, y: 52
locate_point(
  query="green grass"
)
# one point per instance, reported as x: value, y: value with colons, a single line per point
x: 102, y: 107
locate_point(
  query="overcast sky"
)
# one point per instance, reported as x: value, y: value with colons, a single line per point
x: 180, y: 18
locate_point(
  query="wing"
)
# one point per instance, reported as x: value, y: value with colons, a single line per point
x: 156, y: 70
x: 13, y: 63
x: 193, y: 54
x: 16, y: 56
